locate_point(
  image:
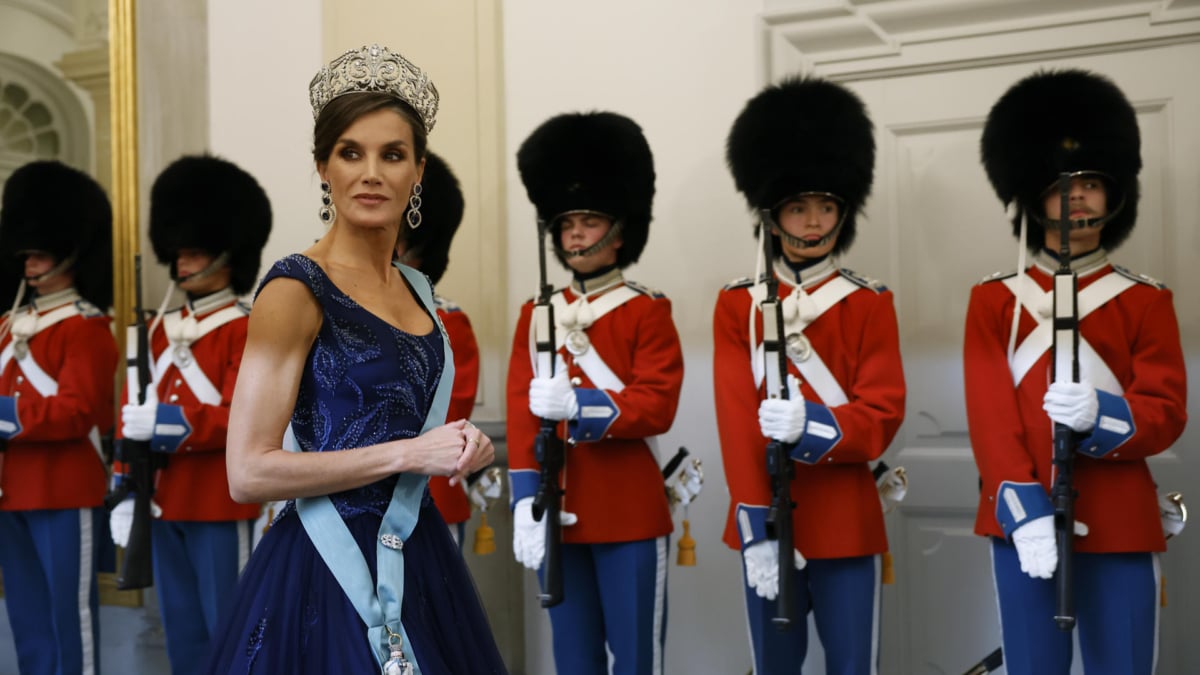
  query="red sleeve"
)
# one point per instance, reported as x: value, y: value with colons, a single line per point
x: 85, y: 386
x: 521, y: 426
x: 648, y: 402
x: 210, y: 423
x: 466, y: 364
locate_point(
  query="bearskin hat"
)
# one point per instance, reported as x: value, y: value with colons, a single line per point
x: 1063, y: 121
x: 209, y: 203
x: 441, y: 211
x: 804, y: 134
x: 49, y: 206
x: 596, y: 161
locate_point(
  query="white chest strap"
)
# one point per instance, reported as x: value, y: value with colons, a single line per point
x: 181, y: 334
x: 1092, y: 368
x: 590, y: 311
x: 808, y: 307
x: 38, y: 378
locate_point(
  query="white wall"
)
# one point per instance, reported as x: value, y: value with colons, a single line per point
x: 628, y: 56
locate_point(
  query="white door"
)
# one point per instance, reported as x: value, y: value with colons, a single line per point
x: 934, y: 227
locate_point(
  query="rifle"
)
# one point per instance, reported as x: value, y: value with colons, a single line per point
x: 137, y: 570
x: 1065, y: 355
x: 989, y: 663
x: 779, y: 462
x: 549, y: 449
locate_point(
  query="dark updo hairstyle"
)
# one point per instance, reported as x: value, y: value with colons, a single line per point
x: 341, y: 112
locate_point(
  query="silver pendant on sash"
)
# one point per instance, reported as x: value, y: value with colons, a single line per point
x: 182, y: 355
x: 798, y: 348
x: 20, y: 348
x: 397, y: 664
x: 577, y: 342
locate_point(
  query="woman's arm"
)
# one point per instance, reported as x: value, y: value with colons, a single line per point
x: 283, y: 326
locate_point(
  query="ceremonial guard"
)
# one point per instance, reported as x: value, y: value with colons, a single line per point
x: 209, y: 221
x: 427, y: 248
x: 803, y: 154
x: 57, y: 362
x: 608, y: 378
x: 1054, y: 138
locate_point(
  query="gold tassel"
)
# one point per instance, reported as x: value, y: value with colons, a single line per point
x: 270, y: 518
x: 687, y: 547
x: 1162, y: 591
x: 485, y: 537
x: 889, y: 572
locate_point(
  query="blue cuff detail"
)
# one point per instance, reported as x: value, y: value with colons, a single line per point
x: 1114, y: 426
x: 821, y: 434
x: 597, y: 412
x: 522, y: 483
x: 171, y: 428
x: 751, y: 524
x: 10, y: 422
x: 1019, y: 503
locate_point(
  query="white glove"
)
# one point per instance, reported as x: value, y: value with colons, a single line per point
x: 529, y: 535
x: 783, y: 420
x: 486, y: 489
x: 689, y: 484
x: 1074, y: 404
x: 1037, y: 547
x: 1173, y: 513
x: 120, y: 521
x: 553, y: 398
x: 137, y: 421
x: 762, y: 567
x: 893, y: 486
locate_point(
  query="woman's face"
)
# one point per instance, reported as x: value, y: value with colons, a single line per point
x: 372, y: 170
x: 810, y: 218
x: 578, y: 231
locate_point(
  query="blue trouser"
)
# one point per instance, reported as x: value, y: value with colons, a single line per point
x: 614, y: 594
x: 843, y: 596
x: 48, y: 558
x: 1116, y: 608
x: 196, y: 567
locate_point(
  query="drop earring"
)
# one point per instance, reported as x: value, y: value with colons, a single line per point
x: 414, y: 207
x: 328, y: 211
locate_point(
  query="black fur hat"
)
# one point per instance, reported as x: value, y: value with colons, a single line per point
x: 209, y: 203
x: 49, y: 206
x: 1064, y: 120
x: 804, y: 134
x: 441, y: 212
x: 596, y: 161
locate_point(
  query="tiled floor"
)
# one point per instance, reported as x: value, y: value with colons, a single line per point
x: 131, y: 641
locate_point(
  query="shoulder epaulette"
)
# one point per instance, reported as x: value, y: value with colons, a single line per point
x: 864, y: 281
x: 446, y: 305
x: 741, y: 282
x: 645, y: 290
x: 998, y: 276
x: 87, y: 309
x: 1140, y: 278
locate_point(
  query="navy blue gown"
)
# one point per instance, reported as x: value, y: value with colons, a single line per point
x: 365, y: 382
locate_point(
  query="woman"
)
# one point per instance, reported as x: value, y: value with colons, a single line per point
x: 359, y: 569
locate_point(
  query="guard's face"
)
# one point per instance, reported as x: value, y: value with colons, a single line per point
x: 1088, y: 199
x: 578, y: 231
x: 38, y: 263
x: 372, y: 170
x: 190, y: 261
x: 810, y: 218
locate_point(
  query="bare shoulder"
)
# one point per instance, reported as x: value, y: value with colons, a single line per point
x: 285, y: 312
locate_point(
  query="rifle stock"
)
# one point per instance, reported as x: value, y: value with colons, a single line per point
x: 1065, y: 359
x: 549, y: 449
x: 779, y: 463
x: 137, y: 570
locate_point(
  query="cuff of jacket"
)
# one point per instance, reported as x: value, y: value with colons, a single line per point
x: 597, y: 412
x: 522, y: 483
x: 1019, y: 503
x: 1114, y: 426
x: 10, y: 421
x: 751, y: 524
x: 171, y: 428
x: 821, y: 434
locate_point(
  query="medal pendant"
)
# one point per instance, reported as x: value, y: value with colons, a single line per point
x: 20, y: 349
x: 182, y: 355
x: 397, y: 665
x: 798, y: 347
x: 577, y: 342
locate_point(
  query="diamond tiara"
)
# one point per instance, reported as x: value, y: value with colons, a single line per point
x: 375, y: 68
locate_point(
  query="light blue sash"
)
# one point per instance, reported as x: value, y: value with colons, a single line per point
x: 380, y: 606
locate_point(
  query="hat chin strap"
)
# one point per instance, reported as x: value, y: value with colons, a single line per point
x: 797, y: 242
x: 604, y: 242
x: 58, y: 269
x: 220, y: 261
x: 1081, y: 223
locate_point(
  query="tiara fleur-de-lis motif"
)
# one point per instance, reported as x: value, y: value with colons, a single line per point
x: 375, y: 68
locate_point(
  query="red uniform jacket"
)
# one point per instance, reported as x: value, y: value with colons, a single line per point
x: 613, y: 483
x: 1137, y: 337
x: 452, y: 501
x: 838, y: 513
x: 54, y: 462
x: 194, y: 485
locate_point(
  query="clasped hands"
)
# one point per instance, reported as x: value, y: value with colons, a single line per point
x: 455, y: 449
